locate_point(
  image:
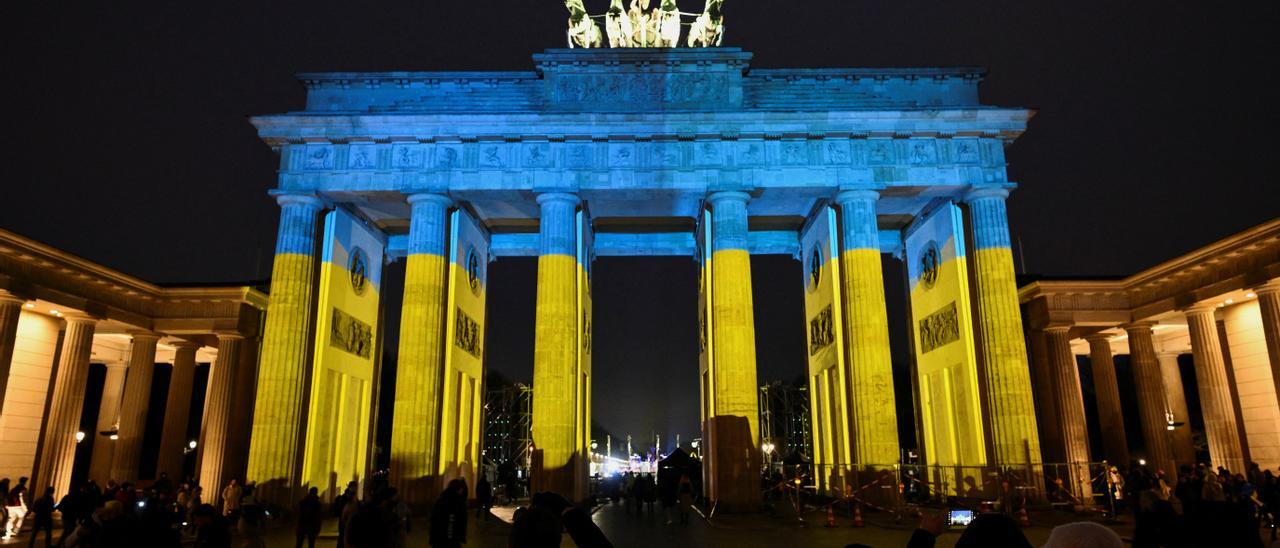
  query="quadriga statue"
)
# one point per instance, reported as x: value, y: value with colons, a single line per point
x: 583, y: 32
x: 640, y: 26
x: 707, y: 30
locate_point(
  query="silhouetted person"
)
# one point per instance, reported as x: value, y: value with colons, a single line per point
x: 484, y: 497
x: 42, y: 518
x: 308, y: 519
x: 539, y: 525
x: 212, y: 530
x: 371, y: 525
x: 253, y: 517
x: 684, y: 491
x: 985, y: 531
x: 449, y: 516
x: 74, y: 506
x: 350, y: 508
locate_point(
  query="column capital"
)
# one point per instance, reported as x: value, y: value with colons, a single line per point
x: 183, y: 344
x: 1268, y: 288
x: 1058, y: 328
x: 1141, y: 326
x: 144, y: 335
x: 431, y: 197
x: 228, y: 335
x: 288, y: 197
x: 1202, y: 309
x: 1099, y: 338
x: 77, y: 317
x: 723, y: 195
x: 9, y: 298
x: 564, y: 197
x: 976, y: 193
x: 858, y: 195
x: 118, y: 364
x: 1168, y: 353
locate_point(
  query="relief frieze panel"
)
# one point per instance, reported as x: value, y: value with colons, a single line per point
x: 889, y: 158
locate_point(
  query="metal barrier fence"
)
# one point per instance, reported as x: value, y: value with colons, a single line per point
x: 1000, y: 488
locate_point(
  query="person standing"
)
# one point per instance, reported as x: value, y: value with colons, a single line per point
x: 15, y: 505
x: 42, y: 520
x: 309, y: 519
x: 74, y: 506
x: 449, y: 516
x: 212, y: 530
x: 484, y: 497
x: 350, y: 508
x: 4, y: 508
x: 231, y: 499
x: 684, y: 491
x: 253, y: 516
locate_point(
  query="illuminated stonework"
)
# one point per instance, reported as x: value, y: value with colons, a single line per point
x: 662, y: 151
x: 1219, y: 304
x: 129, y: 325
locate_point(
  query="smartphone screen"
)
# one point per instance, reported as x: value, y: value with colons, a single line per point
x: 959, y: 518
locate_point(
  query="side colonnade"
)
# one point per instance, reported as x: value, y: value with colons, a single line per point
x: 61, y: 316
x: 1217, y: 327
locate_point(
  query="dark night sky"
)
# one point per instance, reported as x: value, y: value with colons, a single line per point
x: 129, y: 145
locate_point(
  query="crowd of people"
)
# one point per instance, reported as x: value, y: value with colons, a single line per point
x: 640, y: 492
x: 1199, y: 507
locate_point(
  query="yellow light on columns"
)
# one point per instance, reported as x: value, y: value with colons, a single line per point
x: 1250, y: 295
x: 30, y: 305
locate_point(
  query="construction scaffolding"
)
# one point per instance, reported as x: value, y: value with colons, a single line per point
x: 508, y: 433
x: 784, y: 418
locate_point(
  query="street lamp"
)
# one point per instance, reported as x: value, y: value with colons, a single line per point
x: 79, y: 437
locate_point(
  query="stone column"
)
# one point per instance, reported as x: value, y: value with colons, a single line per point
x: 1000, y: 338
x: 866, y: 325
x: 1046, y: 401
x: 221, y: 397
x: 58, y: 451
x: 1268, y: 305
x: 1184, y: 451
x: 1220, y: 418
x: 1110, y: 416
x: 734, y: 424
x: 1066, y: 388
x: 10, y: 310
x: 177, y: 410
x: 108, y: 420
x: 286, y: 351
x: 555, y: 351
x: 415, y: 451
x: 133, y: 406
x: 1149, y: 383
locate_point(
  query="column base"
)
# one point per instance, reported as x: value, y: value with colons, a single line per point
x: 563, y: 480
x: 735, y: 482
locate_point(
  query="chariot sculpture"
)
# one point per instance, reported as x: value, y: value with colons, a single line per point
x: 640, y: 26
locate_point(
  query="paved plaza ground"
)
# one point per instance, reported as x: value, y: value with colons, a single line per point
x: 649, y: 530
x: 740, y: 530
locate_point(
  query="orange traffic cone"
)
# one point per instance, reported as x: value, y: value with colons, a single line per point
x: 1023, y: 519
x: 831, y: 517
x: 857, y: 516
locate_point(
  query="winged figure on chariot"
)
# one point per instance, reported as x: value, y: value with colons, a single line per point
x: 640, y: 26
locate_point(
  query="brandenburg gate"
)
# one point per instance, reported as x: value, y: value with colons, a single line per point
x: 663, y: 151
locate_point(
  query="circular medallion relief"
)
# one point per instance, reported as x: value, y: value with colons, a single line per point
x: 473, y: 270
x: 929, y: 264
x: 358, y: 266
x: 815, y: 268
